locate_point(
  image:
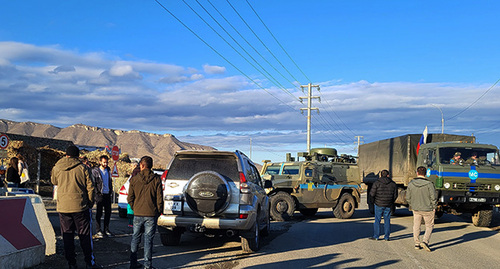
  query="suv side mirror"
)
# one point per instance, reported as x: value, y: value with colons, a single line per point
x: 268, y: 184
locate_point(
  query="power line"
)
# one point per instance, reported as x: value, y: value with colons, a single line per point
x: 465, y: 109
x: 220, y: 55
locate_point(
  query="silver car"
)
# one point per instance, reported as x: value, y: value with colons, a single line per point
x: 216, y: 193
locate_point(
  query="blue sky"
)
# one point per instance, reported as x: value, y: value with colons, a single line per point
x: 385, y: 68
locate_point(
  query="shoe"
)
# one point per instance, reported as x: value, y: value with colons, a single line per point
x: 109, y: 234
x: 99, y: 234
x: 387, y: 239
x: 94, y: 266
x: 417, y: 247
x: 425, y: 246
x: 373, y: 238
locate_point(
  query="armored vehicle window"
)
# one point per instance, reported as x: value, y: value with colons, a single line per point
x: 308, y: 172
x: 184, y: 167
x: 291, y: 170
x: 273, y: 169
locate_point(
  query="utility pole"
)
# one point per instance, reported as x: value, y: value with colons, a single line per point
x: 309, y: 108
x: 359, y: 137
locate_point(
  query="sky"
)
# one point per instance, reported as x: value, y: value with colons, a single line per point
x: 228, y: 73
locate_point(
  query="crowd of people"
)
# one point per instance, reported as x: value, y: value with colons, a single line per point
x: 79, y: 187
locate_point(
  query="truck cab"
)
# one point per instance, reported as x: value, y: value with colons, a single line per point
x: 466, y: 177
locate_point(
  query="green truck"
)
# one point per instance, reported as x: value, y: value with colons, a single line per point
x: 466, y: 185
x: 321, y: 180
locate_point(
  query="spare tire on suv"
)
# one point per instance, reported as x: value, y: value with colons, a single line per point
x: 207, y: 193
x: 216, y: 193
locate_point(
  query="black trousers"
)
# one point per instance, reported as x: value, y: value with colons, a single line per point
x: 106, y: 205
x: 81, y: 223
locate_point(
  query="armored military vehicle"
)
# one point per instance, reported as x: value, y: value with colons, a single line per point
x: 322, y: 180
x: 468, y: 184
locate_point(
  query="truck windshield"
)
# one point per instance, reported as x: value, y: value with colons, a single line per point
x: 468, y: 156
x: 272, y: 169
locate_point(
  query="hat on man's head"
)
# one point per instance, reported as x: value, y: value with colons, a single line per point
x: 457, y: 154
x: 73, y: 151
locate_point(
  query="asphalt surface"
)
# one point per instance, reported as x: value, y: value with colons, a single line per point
x: 319, y: 242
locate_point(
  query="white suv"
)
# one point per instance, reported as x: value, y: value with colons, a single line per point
x: 217, y: 193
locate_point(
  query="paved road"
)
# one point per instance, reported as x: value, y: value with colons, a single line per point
x: 322, y: 242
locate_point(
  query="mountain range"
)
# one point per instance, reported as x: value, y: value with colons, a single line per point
x: 135, y: 143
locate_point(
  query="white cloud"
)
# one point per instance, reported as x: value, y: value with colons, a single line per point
x: 213, y: 69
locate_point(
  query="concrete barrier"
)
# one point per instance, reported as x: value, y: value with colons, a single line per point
x: 22, y: 242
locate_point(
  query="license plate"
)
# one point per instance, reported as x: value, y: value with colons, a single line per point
x: 173, y: 205
x: 480, y: 200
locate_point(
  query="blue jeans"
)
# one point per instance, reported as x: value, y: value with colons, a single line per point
x: 379, y: 212
x: 146, y: 226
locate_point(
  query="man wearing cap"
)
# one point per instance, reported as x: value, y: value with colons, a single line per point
x: 457, y: 159
x: 75, y: 199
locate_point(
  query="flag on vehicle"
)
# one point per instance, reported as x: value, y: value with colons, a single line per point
x: 422, y: 139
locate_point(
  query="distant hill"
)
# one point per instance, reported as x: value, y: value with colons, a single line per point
x: 135, y: 143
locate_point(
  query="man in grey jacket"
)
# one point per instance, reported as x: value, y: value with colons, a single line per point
x: 421, y: 195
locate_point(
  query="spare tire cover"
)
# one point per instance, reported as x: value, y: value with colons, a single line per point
x: 207, y: 193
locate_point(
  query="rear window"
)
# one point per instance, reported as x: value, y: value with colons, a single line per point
x: 185, y: 166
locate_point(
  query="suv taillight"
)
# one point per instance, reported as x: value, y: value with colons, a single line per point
x: 163, y: 178
x: 243, y: 184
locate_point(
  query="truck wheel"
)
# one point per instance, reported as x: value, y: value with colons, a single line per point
x: 250, y: 241
x: 308, y: 212
x: 170, y: 237
x: 345, y: 207
x: 282, y: 206
x: 122, y: 212
x: 482, y: 218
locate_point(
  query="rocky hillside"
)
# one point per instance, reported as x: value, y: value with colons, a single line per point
x: 135, y: 143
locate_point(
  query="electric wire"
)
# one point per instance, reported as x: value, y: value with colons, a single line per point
x: 220, y: 55
x: 482, y: 95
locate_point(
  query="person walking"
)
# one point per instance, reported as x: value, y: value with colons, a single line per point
x: 145, y: 199
x: 75, y: 199
x: 383, y: 192
x: 104, y: 188
x: 421, y: 196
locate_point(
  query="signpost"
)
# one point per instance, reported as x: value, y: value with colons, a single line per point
x: 4, y: 141
x: 115, y: 154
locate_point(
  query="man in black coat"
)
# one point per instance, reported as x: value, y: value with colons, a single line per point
x: 384, y: 192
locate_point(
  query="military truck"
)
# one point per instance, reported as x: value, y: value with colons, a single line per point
x: 465, y: 186
x: 322, y: 180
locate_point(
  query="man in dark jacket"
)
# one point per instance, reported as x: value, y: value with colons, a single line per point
x: 104, y: 188
x: 421, y: 195
x: 146, y: 200
x: 384, y: 192
x: 75, y: 199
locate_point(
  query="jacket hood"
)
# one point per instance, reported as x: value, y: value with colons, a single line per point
x: 385, y: 180
x: 147, y: 176
x: 67, y: 164
x: 420, y: 182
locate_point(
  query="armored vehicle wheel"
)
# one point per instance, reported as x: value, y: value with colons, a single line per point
x: 282, y: 206
x: 308, y: 212
x: 250, y: 241
x: 482, y: 218
x: 170, y: 237
x: 345, y: 207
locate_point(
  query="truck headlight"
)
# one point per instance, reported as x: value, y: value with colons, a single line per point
x: 447, y: 185
x: 497, y: 187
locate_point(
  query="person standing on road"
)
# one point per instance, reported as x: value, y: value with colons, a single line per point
x: 104, y: 189
x: 13, y: 172
x: 75, y: 199
x: 421, y: 196
x: 145, y: 199
x: 384, y: 192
